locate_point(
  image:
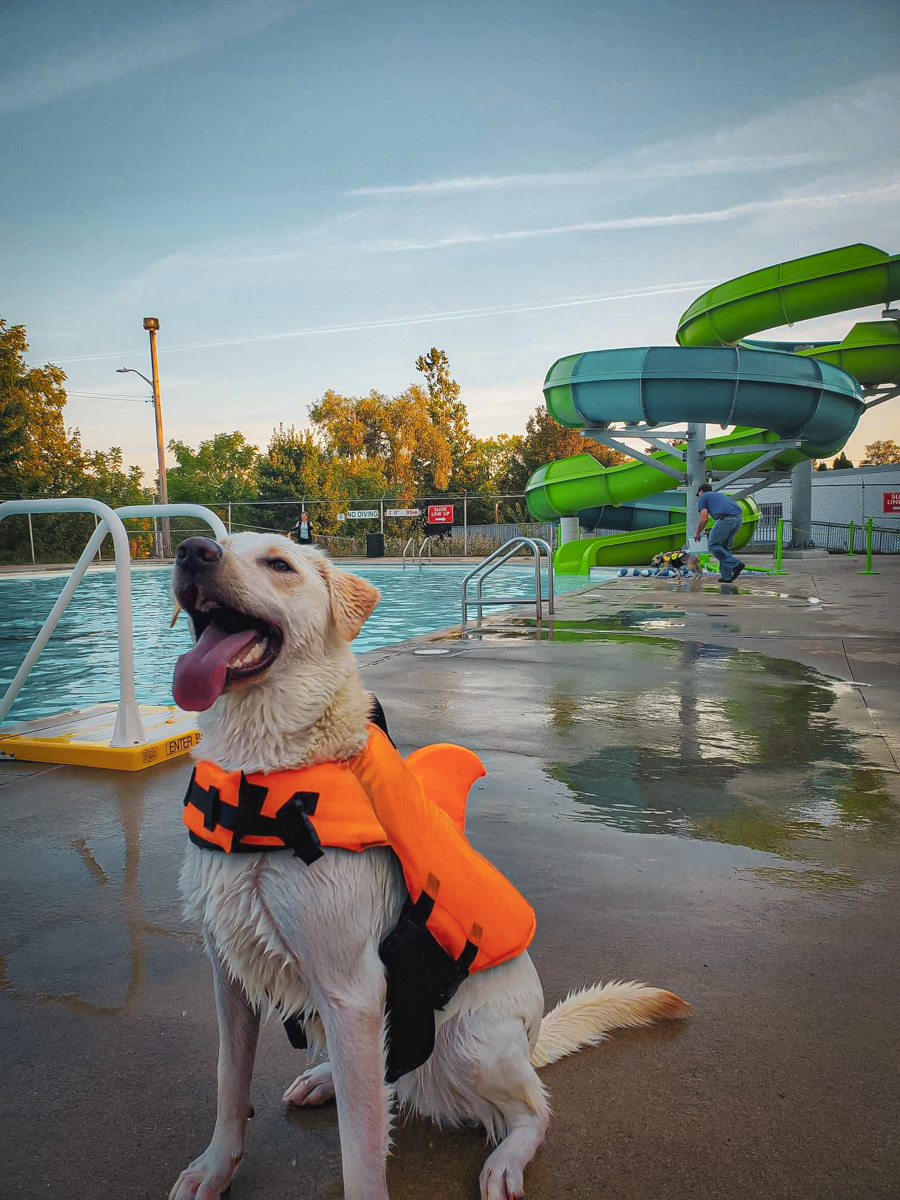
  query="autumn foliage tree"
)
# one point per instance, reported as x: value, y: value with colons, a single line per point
x: 881, y: 454
x: 392, y: 435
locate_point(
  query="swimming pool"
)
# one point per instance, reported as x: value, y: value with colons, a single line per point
x: 79, y: 665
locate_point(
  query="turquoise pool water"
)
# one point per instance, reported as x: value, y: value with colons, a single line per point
x: 79, y: 665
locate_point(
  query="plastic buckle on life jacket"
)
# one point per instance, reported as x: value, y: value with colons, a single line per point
x: 295, y: 828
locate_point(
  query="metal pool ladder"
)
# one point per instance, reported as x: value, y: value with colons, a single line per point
x: 489, y: 565
x: 416, y: 556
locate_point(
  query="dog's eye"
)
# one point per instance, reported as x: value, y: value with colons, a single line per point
x: 280, y: 564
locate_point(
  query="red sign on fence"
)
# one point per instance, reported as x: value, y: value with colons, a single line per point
x: 890, y: 502
x: 440, y: 514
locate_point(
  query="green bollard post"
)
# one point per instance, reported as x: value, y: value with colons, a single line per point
x: 850, y: 539
x: 779, y: 539
x: 868, y: 570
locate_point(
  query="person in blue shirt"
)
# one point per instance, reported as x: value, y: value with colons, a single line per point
x: 727, y: 520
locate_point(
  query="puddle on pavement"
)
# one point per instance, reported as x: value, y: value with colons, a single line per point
x: 734, y: 747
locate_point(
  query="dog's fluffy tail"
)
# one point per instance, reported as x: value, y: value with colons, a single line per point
x: 584, y: 1018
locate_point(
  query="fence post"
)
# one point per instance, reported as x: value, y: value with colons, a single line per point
x: 229, y: 516
x: 31, y: 537
x: 465, y: 524
x: 868, y: 570
x: 852, y: 530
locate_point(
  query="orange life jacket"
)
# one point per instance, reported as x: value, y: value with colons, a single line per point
x: 417, y: 806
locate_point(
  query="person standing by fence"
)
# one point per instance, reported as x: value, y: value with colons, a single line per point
x: 303, y: 531
x: 727, y: 520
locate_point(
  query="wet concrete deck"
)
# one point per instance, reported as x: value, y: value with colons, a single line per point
x: 696, y: 786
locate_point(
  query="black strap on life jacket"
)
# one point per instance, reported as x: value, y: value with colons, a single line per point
x: 421, y: 978
x: 291, y: 824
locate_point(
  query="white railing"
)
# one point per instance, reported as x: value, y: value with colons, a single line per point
x: 537, y: 546
x: 129, y: 727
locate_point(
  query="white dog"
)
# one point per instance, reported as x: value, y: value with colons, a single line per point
x: 277, y: 682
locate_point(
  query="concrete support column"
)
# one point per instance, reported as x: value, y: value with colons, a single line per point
x: 568, y: 530
x: 801, y: 506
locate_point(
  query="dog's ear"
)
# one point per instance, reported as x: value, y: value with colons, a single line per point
x: 352, y: 599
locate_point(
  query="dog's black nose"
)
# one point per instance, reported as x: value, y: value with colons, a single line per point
x: 198, y: 554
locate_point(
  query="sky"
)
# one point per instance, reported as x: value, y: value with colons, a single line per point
x: 309, y: 195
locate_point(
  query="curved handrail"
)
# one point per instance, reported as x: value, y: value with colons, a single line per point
x: 426, y: 542
x: 411, y: 547
x: 129, y: 727
x: 133, y: 512
x: 493, y: 562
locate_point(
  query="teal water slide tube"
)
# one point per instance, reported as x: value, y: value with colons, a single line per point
x: 768, y: 391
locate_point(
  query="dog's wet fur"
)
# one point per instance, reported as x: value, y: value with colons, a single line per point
x: 304, y: 939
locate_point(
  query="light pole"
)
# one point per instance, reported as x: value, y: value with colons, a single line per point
x: 151, y: 324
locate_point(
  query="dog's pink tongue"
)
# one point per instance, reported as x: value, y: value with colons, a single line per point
x: 200, y: 674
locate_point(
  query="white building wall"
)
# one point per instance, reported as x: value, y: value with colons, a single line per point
x: 839, y: 496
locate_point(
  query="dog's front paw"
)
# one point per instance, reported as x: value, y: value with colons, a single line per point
x: 501, y: 1179
x: 313, y: 1087
x: 207, y: 1178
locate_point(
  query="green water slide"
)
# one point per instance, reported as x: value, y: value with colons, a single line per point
x: 769, y: 392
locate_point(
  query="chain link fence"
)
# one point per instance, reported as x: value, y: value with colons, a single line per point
x: 838, y: 498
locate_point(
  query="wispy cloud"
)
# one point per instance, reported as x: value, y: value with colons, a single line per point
x: 651, y: 221
x: 462, y: 314
x: 615, y: 171
x: 138, y: 49
x: 824, y: 128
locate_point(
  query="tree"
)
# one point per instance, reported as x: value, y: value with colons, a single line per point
x: 38, y: 456
x: 546, y: 441
x: 822, y: 465
x: 842, y: 463
x: 447, y: 412
x: 391, y: 439
x: 222, y: 468
x: 881, y: 454
x: 294, y: 467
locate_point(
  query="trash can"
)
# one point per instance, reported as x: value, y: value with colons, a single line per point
x: 374, y: 545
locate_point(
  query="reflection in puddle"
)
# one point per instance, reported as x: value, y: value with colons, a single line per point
x: 806, y: 878
x: 733, y: 747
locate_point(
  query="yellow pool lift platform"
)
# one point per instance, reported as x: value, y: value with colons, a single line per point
x: 126, y: 736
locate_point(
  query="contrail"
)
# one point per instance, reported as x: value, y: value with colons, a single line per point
x: 462, y: 314
x: 610, y: 173
x: 656, y: 221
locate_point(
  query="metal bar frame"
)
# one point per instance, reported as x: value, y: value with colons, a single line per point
x: 129, y: 727
x: 775, y: 477
x: 880, y: 397
x: 750, y: 467
x: 496, y: 559
x: 756, y: 448
x: 606, y: 440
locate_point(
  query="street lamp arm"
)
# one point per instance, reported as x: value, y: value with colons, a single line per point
x: 131, y: 370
